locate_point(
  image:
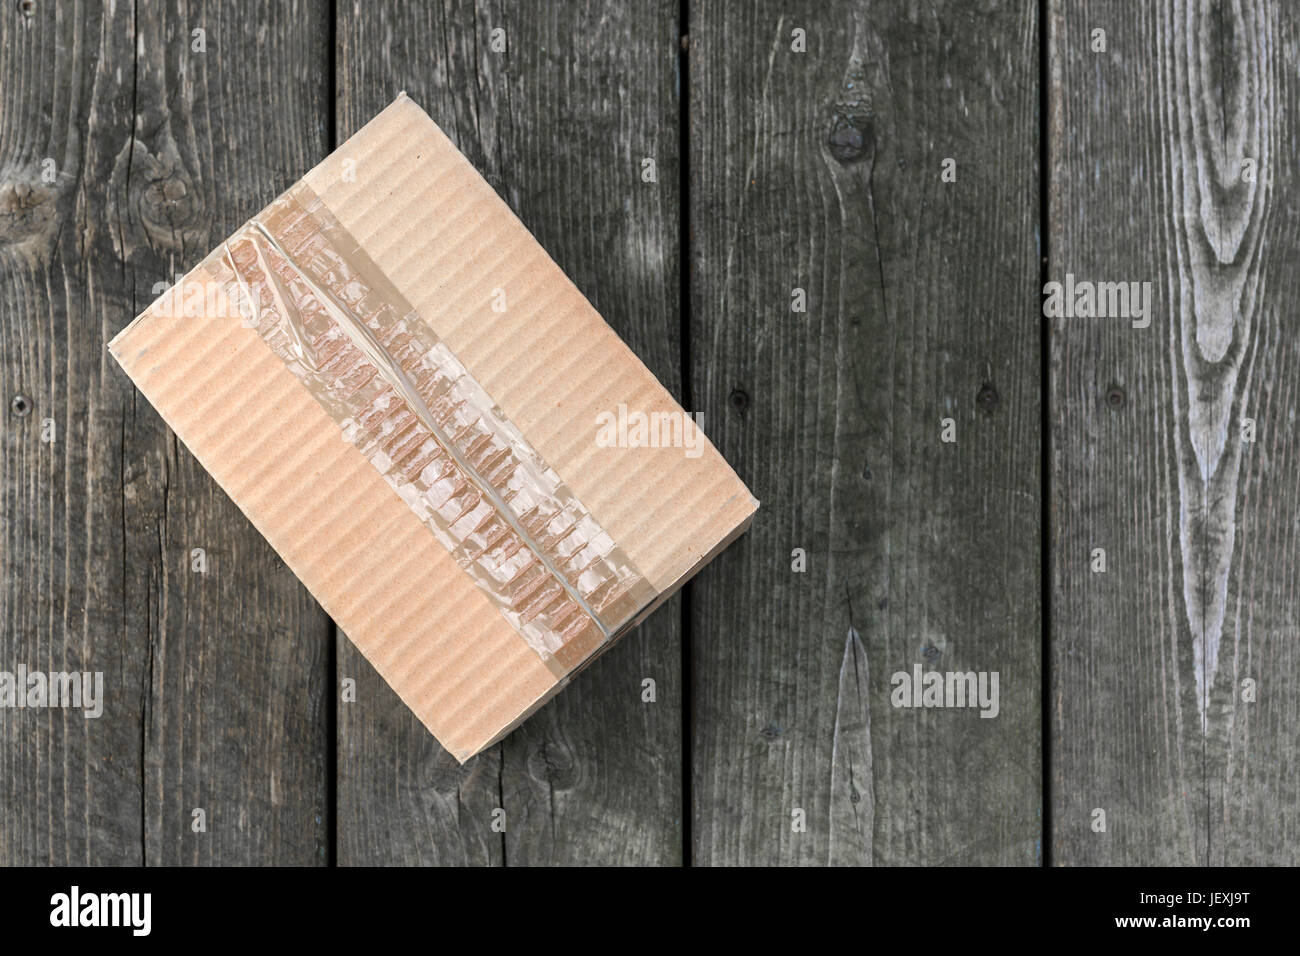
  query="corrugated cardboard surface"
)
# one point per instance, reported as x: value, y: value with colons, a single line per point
x: 451, y: 246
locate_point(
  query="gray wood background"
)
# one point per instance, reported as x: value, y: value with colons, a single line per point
x: 1149, y: 145
x: 800, y: 149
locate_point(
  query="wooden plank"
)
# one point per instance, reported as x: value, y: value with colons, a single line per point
x: 70, y: 788
x: 559, y: 122
x: 1150, y: 182
x: 821, y: 171
x: 213, y: 681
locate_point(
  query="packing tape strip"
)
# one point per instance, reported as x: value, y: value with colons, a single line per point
x: 414, y: 411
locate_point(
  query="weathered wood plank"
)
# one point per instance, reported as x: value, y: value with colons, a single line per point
x: 70, y: 788
x: 821, y: 171
x: 559, y: 122
x: 213, y: 680
x: 1173, y: 163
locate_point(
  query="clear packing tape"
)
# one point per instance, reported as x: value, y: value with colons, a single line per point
x: 412, y: 409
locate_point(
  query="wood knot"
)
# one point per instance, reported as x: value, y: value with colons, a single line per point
x: 739, y: 399
x: 987, y: 399
x: 164, y: 208
x: 555, y: 763
x: 1115, y: 397
x: 29, y: 210
x: 852, y: 136
x: 166, y: 202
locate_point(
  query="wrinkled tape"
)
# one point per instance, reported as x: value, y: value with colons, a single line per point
x: 411, y: 408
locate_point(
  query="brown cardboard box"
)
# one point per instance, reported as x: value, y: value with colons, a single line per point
x: 434, y: 429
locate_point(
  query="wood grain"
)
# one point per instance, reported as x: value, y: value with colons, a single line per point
x: 1151, y: 143
x: 559, y: 123
x: 214, y: 681
x: 821, y: 171
x: 818, y: 171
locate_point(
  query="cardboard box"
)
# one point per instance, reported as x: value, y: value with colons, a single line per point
x: 466, y: 466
